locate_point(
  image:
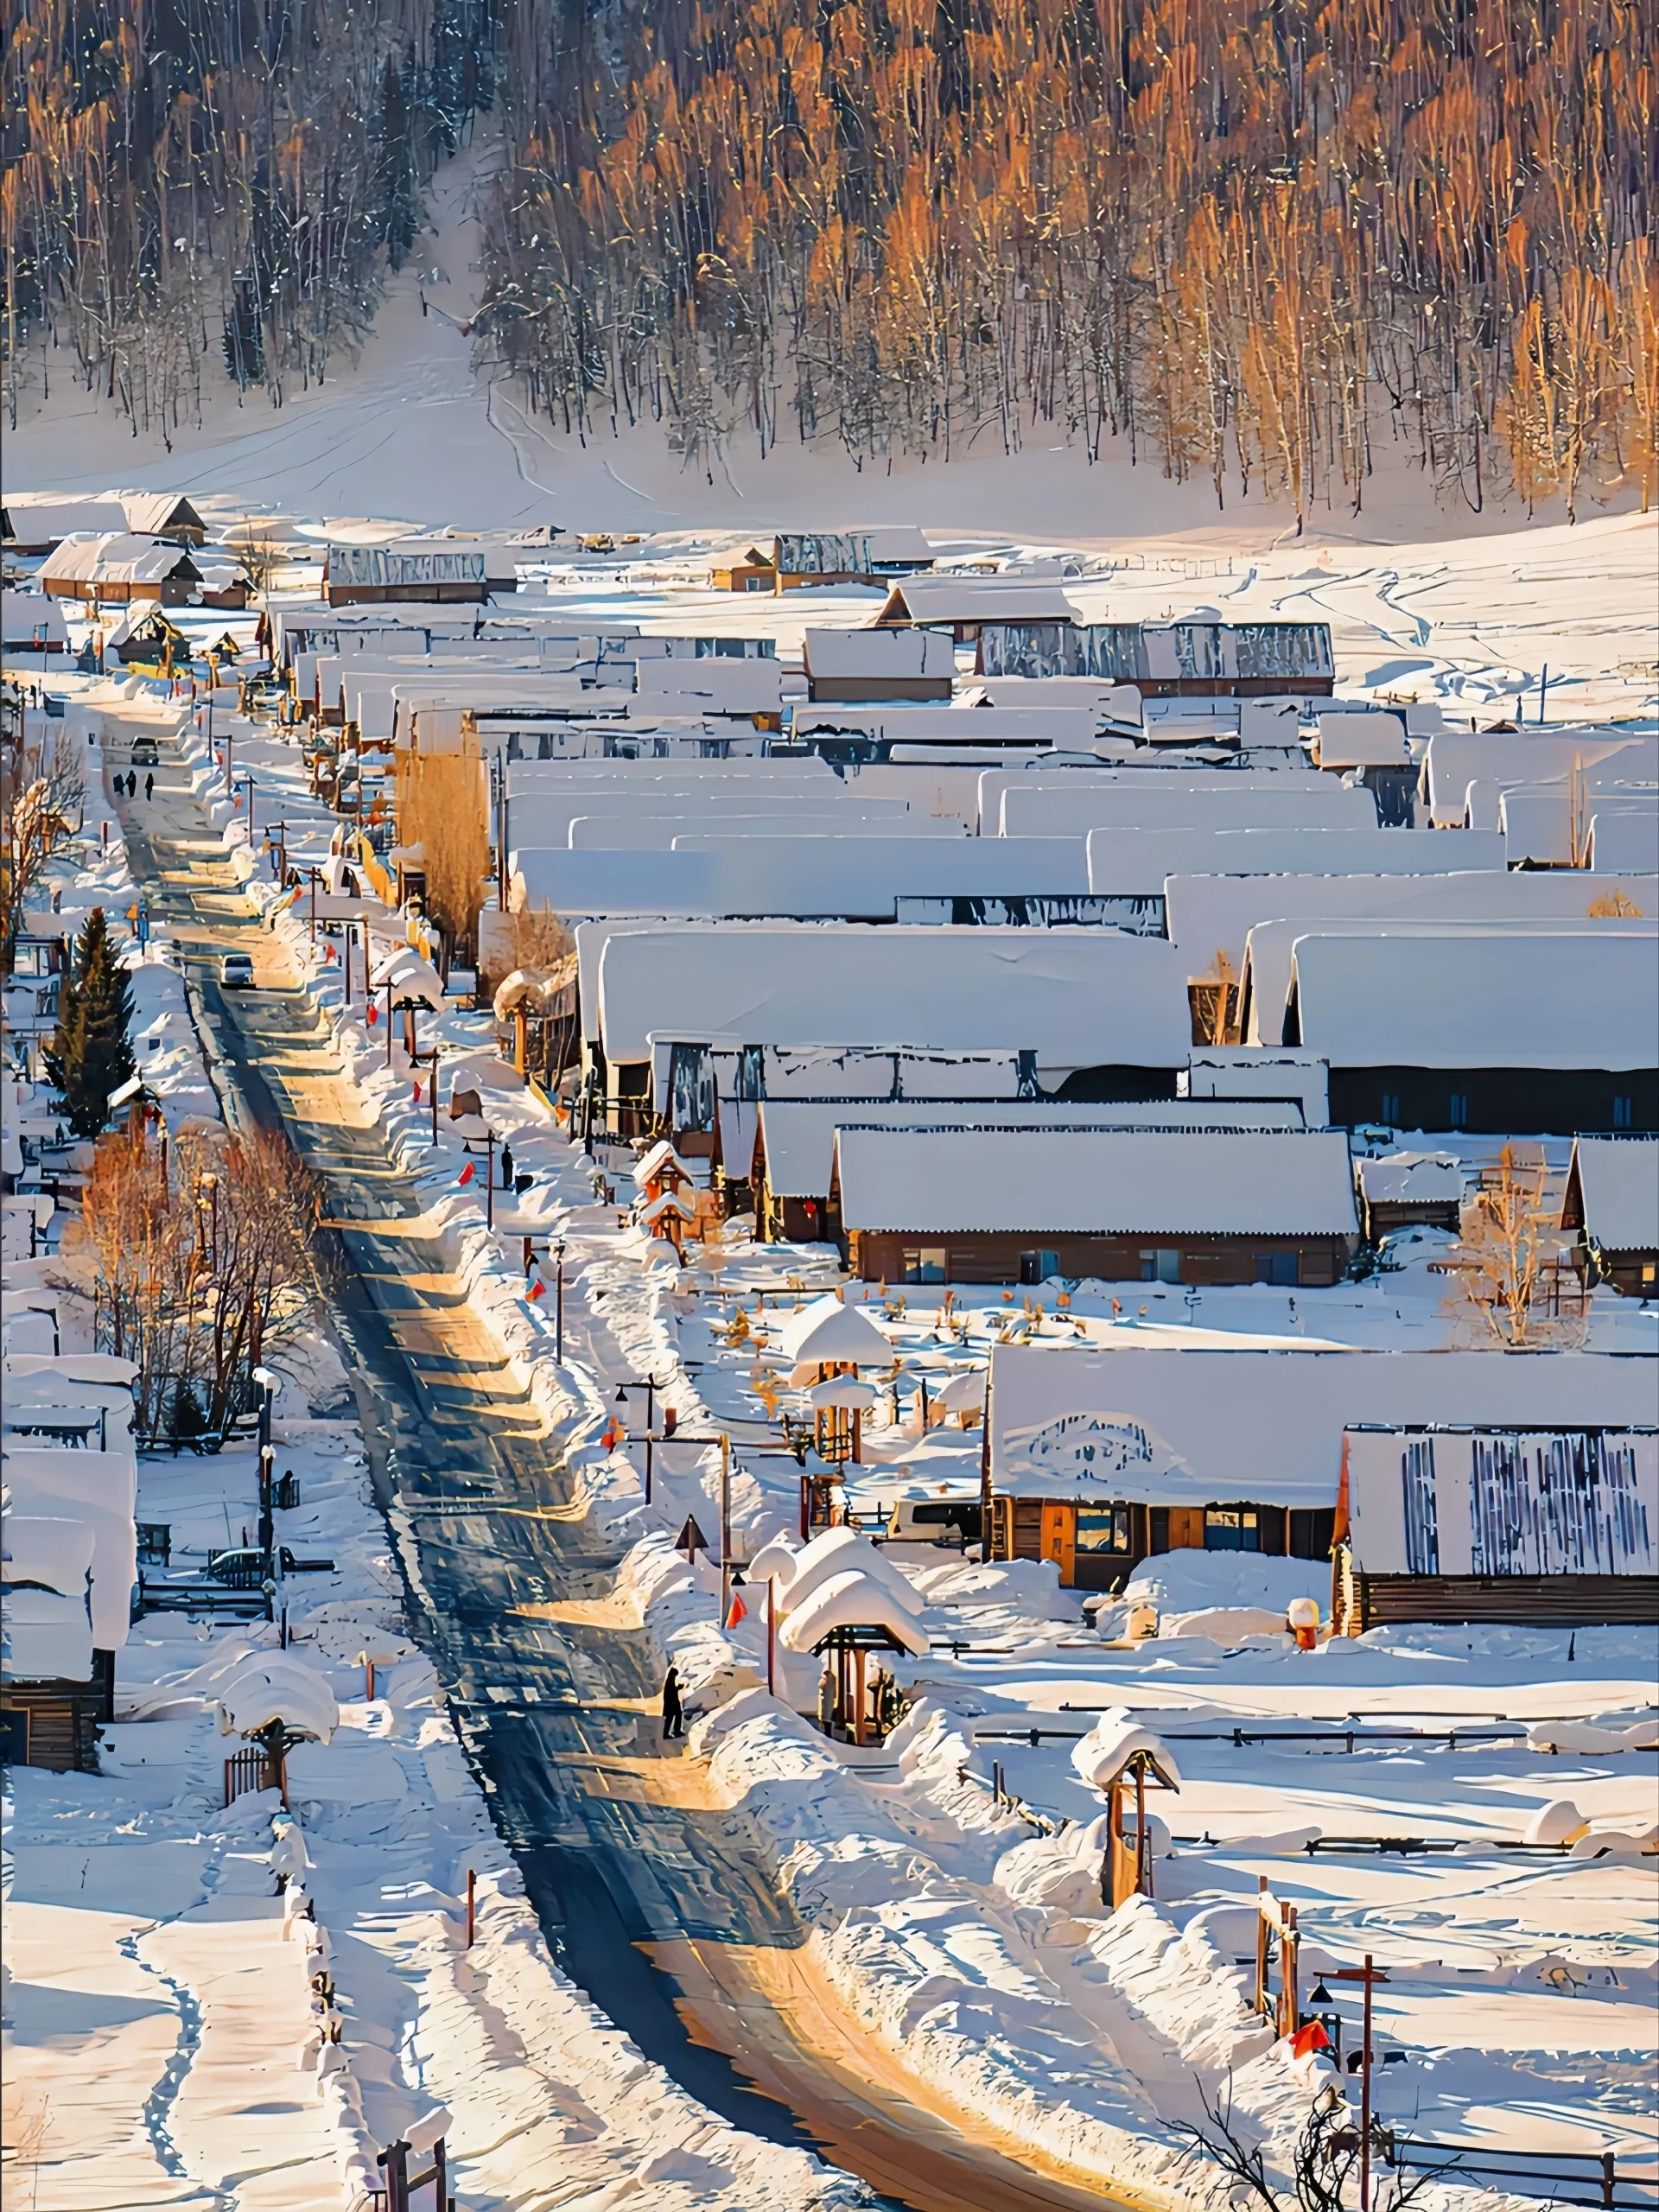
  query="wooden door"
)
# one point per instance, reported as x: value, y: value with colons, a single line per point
x: 1060, y: 1539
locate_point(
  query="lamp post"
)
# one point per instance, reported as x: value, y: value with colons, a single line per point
x: 269, y: 1384
x: 1368, y: 1976
x: 433, y: 1088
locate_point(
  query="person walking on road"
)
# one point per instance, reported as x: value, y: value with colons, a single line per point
x: 150, y: 786
x: 673, y: 1711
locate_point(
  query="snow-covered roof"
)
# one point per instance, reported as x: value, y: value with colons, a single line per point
x: 975, y: 599
x: 1207, y: 913
x: 1351, y: 739
x: 799, y: 1135
x: 659, y: 1160
x: 99, y: 1490
x: 1096, y: 1182
x: 1455, y: 759
x: 26, y: 616
x: 1077, y: 998
x: 826, y: 1332
x: 875, y: 654
x: 860, y: 877
x: 1265, y: 977
x: 1056, y: 806
x: 1530, y: 1500
x: 1411, y: 1179
x: 1125, y: 861
x: 1474, y: 999
x: 1612, y: 1193
x: 843, y: 1393
x: 1624, y: 838
x: 34, y: 520
x: 850, y: 1600
x: 118, y: 558
x: 154, y: 513
x: 45, y: 1636
x: 1212, y: 1425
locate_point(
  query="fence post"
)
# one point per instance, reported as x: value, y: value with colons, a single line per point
x: 1608, y: 2171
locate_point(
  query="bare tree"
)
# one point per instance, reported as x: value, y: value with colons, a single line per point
x: 198, y: 1259
x: 42, y: 796
x: 1325, y: 2158
x: 1506, y: 1263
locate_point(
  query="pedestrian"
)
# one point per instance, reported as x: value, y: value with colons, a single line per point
x: 507, y: 1166
x: 673, y: 1711
x: 150, y: 786
x: 827, y: 1701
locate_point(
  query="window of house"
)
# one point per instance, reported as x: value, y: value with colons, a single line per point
x: 926, y: 1264
x: 1162, y: 1266
x: 1389, y: 1111
x: 1283, y: 1268
x: 1623, y: 1117
x: 1456, y: 1109
x: 1104, y: 1528
x: 1231, y: 1529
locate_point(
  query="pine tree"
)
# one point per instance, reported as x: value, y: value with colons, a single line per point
x: 91, y: 1054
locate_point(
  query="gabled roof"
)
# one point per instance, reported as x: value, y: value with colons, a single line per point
x: 877, y: 653
x: 1475, y: 1000
x: 975, y: 599
x: 853, y: 552
x: 1411, y: 1179
x: 1078, y: 998
x: 1612, y: 1193
x: 1095, y: 1182
x: 797, y: 1136
x: 156, y: 513
x: 120, y: 558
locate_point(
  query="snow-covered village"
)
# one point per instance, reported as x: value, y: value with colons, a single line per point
x: 831, y: 1263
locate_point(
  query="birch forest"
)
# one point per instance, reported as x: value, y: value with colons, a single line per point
x: 1276, y: 244
x: 198, y: 190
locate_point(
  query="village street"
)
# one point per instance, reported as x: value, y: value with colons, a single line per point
x: 653, y: 1893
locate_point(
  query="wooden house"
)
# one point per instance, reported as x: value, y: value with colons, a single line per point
x: 31, y: 526
x: 850, y: 666
x: 1556, y: 1527
x: 1490, y: 1031
x: 1163, y: 660
x: 796, y: 558
x: 1612, y: 1201
x: 965, y: 605
x: 429, y: 574
x: 164, y: 514
x: 1168, y: 1439
x: 53, y: 1722
x: 120, y: 569
x: 791, y: 1163
x: 1122, y: 1205
x: 1405, y: 1189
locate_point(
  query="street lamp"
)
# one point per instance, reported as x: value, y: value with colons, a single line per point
x: 269, y: 1385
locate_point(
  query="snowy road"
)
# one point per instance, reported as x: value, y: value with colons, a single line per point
x: 654, y: 1899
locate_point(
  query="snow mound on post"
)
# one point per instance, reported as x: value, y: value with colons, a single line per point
x: 1114, y: 1737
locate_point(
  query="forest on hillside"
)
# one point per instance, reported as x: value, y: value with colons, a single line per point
x: 1255, y: 240
x: 1269, y: 244
x: 197, y: 190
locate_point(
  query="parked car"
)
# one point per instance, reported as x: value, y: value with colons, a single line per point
x: 236, y: 972
x: 241, y: 1568
x: 145, y: 754
x: 953, y: 1520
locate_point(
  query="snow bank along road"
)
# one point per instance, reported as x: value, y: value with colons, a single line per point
x: 657, y: 1904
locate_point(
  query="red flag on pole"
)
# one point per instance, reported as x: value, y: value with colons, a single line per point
x: 738, y: 1610
x: 467, y: 1172
x: 1307, y: 2039
x: 537, y: 1289
x: 417, y: 1094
